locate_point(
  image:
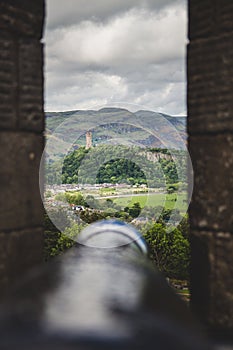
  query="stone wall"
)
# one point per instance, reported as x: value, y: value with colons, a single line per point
x: 210, y: 128
x: 21, y: 136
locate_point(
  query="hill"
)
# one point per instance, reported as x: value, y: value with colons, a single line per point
x: 110, y: 127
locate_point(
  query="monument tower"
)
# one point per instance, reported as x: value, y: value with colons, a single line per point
x: 88, y: 139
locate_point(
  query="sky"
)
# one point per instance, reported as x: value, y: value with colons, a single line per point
x: 124, y: 53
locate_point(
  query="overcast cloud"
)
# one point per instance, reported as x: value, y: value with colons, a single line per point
x: 105, y: 52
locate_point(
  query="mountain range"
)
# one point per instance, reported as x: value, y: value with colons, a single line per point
x: 117, y: 125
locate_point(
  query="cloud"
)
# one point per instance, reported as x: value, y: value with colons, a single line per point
x: 92, y: 91
x: 136, y: 55
x: 62, y: 13
x: 138, y: 37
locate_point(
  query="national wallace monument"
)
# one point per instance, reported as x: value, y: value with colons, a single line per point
x: 40, y: 305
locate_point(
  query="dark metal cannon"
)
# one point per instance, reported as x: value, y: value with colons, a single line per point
x: 102, y: 294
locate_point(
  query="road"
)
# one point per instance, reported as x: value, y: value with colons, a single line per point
x: 131, y: 195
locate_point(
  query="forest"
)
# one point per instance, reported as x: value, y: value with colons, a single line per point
x: 119, y: 164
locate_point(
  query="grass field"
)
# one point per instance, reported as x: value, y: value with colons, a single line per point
x: 154, y: 200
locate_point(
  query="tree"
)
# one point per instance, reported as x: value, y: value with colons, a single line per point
x: 184, y: 227
x: 135, y: 210
x: 75, y: 198
x: 55, y: 242
x: 92, y: 202
x: 91, y: 216
x: 170, y: 251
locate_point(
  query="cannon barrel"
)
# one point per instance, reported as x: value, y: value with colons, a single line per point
x: 103, y: 294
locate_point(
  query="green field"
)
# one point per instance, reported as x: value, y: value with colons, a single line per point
x: 154, y: 200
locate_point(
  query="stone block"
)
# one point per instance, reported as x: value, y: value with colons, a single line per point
x: 4, y: 280
x: 212, y: 284
x: 21, y: 85
x: 20, y: 250
x: 8, y: 84
x: 210, y: 85
x: 208, y: 18
x: 22, y: 18
x: 20, y: 200
x: 211, y: 204
x: 224, y: 10
x: 31, y: 115
x: 23, y: 249
x: 202, y: 18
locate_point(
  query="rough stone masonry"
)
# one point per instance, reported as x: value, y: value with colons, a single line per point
x: 21, y: 137
x: 210, y: 128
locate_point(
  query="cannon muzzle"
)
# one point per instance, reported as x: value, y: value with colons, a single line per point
x: 103, y: 294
